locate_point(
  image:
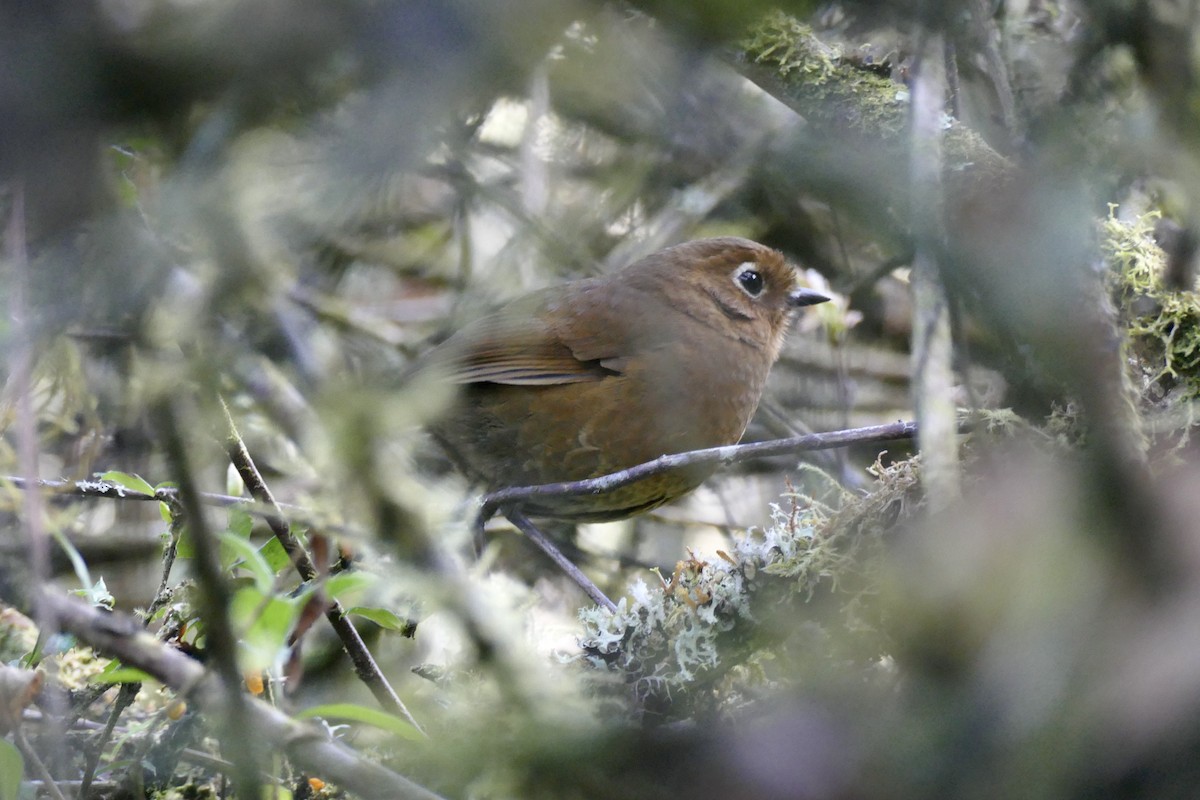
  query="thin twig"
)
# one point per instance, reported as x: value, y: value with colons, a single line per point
x: 125, y: 697
x: 533, y: 534
x: 98, y: 488
x: 365, y: 666
x: 730, y: 454
x: 112, y: 490
x: 48, y: 782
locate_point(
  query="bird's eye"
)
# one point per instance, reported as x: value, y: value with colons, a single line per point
x: 749, y: 279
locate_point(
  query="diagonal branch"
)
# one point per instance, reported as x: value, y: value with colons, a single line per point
x: 365, y: 665
x: 535, y: 535
x: 121, y: 636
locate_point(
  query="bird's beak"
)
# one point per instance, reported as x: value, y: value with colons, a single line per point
x: 806, y: 297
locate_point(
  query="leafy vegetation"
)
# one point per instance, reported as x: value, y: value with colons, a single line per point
x: 233, y: 565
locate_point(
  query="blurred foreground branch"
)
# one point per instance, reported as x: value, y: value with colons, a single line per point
x: 932, y: 348
x: 122, y: 637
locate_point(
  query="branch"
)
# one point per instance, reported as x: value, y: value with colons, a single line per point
x: 535, y: 535
x: 932, y: 345
x: 121, y: 636
x: 839, y: 99
x: 364, y: 663
x: 730, y: 454
x: 238, y: 741
x: 111, y: 490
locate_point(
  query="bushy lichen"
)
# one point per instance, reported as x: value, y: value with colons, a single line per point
x: 693, y: 643
x: 1162, y: 326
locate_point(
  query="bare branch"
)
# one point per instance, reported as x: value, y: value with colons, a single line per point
x: 730, y: 454
x: 112, y: 490
x: 534, y: 534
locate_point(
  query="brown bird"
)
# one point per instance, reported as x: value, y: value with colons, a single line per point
x: 667, y: 355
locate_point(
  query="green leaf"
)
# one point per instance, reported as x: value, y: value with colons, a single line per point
x: 347, y: 582
x: 77, y: 562
x: 121, y: 675
x: 240, y: 522
x: 234, y: 485
x: 385, y: 618
x: 12, y: 768
x: 265, y: 622
x: 240, y: 525
x: 184, y: 547
x: 274, y: 554
x: 234, y: 548
x: 135, y: 482
x: 368, y: 716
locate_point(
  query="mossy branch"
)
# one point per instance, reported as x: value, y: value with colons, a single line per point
x: 838, y: 96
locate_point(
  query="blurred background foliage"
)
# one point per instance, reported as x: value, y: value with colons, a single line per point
x: 285, y: 202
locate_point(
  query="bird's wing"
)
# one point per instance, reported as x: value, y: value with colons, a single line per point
x: 566, y: 337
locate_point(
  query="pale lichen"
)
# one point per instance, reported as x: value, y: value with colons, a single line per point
x: 701, y: 639
x: 1162, y: 326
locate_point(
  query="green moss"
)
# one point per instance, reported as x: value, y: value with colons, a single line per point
x: 839, y: 96
x: 820, y: 85
x: 789, y: 46
x: 1162, y: 326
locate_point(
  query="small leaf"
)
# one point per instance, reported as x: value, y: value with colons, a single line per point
x: 368, y: 716
x: 121, y: 675
x: 233, y: 482
x: 135, y: 482
x: 184, y: 547
x: 240, y: 523
x: 97, y: 595
x: 77, y: 562
x: 12, y: 768
x: 346, y: 582
x: 385, y: 618
x: 164, y: 509
x: 265, y: 623
x: 274, y: 554
x: 252, y: 560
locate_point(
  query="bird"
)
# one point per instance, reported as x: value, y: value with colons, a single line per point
x: 575, y: 381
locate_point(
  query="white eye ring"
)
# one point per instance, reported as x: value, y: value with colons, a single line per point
x: 748, y: 278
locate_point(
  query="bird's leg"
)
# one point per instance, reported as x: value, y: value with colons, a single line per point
x: 526, y: 526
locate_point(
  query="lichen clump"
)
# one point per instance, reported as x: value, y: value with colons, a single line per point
x: 1162, y: 326
x: 691, y: 644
